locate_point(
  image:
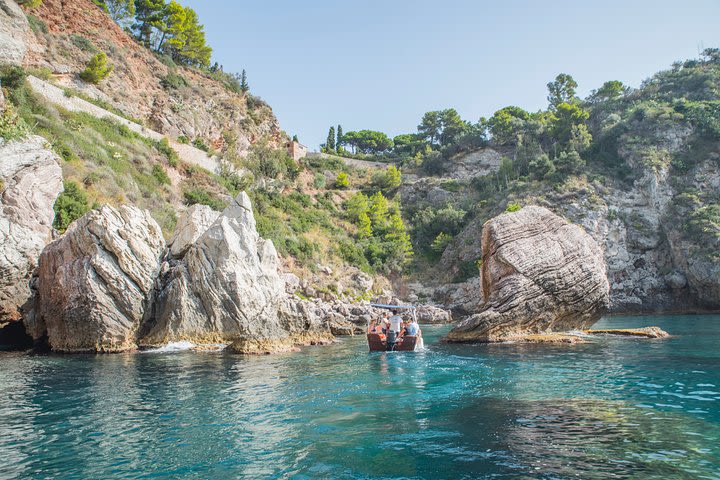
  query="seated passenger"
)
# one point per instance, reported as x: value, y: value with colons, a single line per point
x: 412, y: 328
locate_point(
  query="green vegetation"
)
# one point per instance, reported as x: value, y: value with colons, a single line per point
x: 12, y: 127
x: 30, y: 3
x: 97, y: 69
x: 70, y: 205
x: 381, y: 235
x: 342, y: 180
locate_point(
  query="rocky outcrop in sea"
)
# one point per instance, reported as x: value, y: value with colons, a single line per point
x: 540, y: 274
x: 92, y: 284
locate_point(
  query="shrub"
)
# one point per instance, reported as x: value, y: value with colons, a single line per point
x: 183, y: 139
x: 342, y: 180
x: 160, y: 174
x: 200, y: 143
x: 319, y: 181
x: 36, y: 25
x: 97, y: 69
x: 42, y: 73
x: 174, y: 81
x: 163, y: 146
x: 30, y: 3
x: 441, y: 242
x: 12, y: 77
x: 512, y: 207
x: 83, y: 43
x: 198, y: 195
x: 388, y: 179
x: 70, y: 205
x: 12, y: 127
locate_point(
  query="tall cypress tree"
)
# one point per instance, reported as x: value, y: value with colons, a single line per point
x: 243, y: 82
x: 339, y: 141
x: 330, y: 145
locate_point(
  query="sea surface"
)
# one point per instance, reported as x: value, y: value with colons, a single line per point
x: 614, y: 408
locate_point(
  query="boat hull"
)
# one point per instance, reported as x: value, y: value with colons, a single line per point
x: 378, y: 343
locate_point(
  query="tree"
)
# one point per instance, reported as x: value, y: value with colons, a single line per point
x: 364, y: 226
x: 97, y: 69
x: 541, y: 167
x: 561, y: 90
x: 330, y: 144
x: 339, y: 141
x: 569, y: 162
x: 452, y: 126
x: 295, y: 139
x: 121, y: 11
x: 409, y: 144
x: 565, y: 118
x: 610, y: 90
x: 244, y: 86
x: 431, y: 126
x: 185, y: 36
x: 149, y: 15
x: 505, y: 124
x: 357, y: 205
x: 368, y: 141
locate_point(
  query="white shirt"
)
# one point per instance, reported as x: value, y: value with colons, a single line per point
x: 395, y: 322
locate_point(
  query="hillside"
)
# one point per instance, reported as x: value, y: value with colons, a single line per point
x: 637, y: 168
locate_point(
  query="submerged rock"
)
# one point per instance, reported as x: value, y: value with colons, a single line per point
x: 539, y: 274
x: 228, y: 288
x: 31, y: 182
x: 92, y: 284
x: 645, y: 332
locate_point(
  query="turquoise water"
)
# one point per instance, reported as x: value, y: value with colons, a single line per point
x: 617, y: 408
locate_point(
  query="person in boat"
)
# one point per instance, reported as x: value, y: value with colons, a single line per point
x: 411, y: 328
x: 377, y: 326
x: 393, y: 332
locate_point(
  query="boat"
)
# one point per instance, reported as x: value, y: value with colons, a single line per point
x: 377, y: 342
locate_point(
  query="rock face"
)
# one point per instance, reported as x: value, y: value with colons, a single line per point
x: 227, y: 287
x: 539, y: 274
x: 190, y: 226
x: 93, y: 283
x: 31, y: 182
x: 14, y: 29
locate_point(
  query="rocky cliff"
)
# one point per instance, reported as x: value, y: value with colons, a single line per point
x: 30, y: 182
x: 645, y: 229
x: 540, y: 274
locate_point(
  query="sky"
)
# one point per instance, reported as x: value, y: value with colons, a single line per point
x: 380, y: 65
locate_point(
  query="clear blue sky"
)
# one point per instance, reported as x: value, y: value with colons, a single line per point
x: 381, y: 64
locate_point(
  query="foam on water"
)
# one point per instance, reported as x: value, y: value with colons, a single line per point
x: 181, y: 346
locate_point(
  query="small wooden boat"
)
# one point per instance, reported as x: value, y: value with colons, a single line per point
x: 377, y: 342
x: 409, y: 343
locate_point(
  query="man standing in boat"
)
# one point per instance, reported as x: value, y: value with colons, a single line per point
x: 394, y: 330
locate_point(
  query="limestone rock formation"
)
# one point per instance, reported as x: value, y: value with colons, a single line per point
x: 539, y: 274
x: 227, y: 288
x: 14, y: 29
x: 31, y: 182
x: 193, y: 223
x: 93, y: 283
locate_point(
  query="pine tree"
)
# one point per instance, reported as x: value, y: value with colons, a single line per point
x: 330, y: 144
x: 149, y: 15
x: 243, y: 82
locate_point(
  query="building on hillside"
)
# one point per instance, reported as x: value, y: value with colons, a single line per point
x: 297, y: 150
